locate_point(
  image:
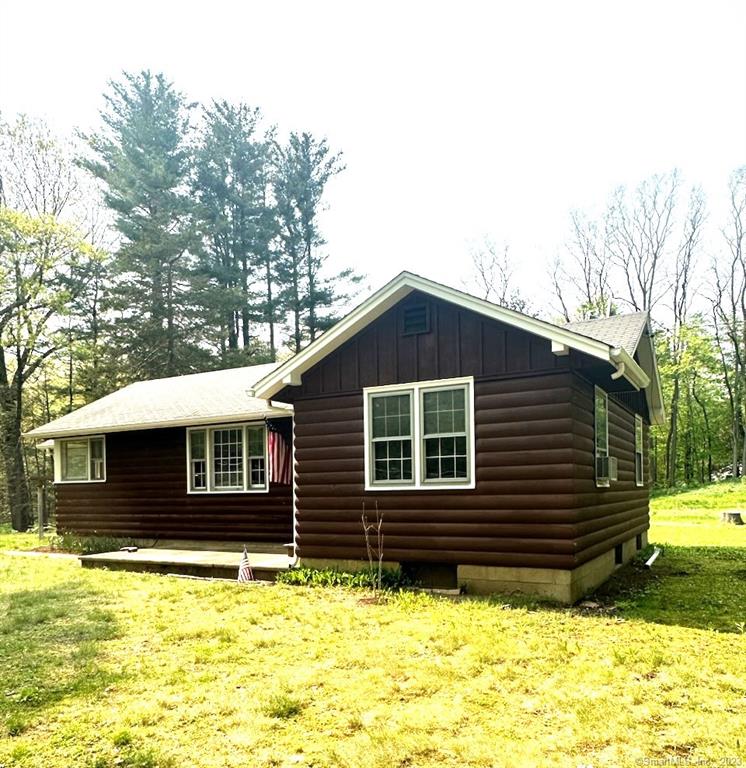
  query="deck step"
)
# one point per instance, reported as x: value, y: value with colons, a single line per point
x: 200, y: 563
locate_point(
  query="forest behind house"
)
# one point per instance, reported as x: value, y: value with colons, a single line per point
x: 177, y: 237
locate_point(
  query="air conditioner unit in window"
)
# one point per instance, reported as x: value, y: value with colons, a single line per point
x: 606, y: 468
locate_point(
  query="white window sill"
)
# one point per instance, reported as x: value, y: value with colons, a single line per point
x: 228, y: 491
x: 428, y: 487
x: 78, y: 482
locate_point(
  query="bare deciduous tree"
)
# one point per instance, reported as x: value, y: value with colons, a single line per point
x: 493, y: 275
x: 586, y: 271
x: 638, y: 234
x: 729, y: 314
x: 681, y: 300
x: 37, y: 176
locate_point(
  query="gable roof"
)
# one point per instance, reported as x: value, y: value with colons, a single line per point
x: 562, y: 338
x: 631, y: 331
x: 199, y: 398
x: 619, y: 330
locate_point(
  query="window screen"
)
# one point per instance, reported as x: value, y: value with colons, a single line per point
x: 639, y: 437
x: 391, y: 437
x: 444, y: 434
x: 227, y: 452
x: 75, y: 460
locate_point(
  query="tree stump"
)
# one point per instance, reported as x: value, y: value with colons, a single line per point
x: 732, y: 516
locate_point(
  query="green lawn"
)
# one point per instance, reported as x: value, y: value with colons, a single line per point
x: 106, y: 670
x: 19, y: 541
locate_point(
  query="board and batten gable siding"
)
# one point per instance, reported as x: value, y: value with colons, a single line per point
x: 535, y: 477
x: 145, y: 495
x: 461, y: 343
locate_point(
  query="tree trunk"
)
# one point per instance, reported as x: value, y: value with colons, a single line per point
x: 170, y: 325
x: 232, y: 333
x: 245, y: 303
x: 689, y: 448
x: 672, y: 439
x: 70, y: 370
x: 19, y: 499
x: 311, y: 293
x: 270, y: 312
x: 708, y: 433
x: 297, y: 336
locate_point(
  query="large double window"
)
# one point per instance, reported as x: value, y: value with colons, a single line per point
x: 230, y: 458
x: 80, y: 460
x: 420, y: 435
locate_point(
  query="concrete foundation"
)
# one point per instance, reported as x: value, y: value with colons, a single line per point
x: 563, y: 586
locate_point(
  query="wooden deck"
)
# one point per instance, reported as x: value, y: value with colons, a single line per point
x: 218, y: 563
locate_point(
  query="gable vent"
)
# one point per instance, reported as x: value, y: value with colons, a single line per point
x: 416, y: 319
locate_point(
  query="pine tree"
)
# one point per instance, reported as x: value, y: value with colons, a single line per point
x: 302, y: 170
x: 142, y: 156
x: 236, y: 226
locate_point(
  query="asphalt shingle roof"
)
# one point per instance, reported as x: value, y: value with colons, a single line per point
x: 623, y: 331
x: 195, y: 398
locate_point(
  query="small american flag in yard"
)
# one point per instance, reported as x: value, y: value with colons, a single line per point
x: 244, y: 569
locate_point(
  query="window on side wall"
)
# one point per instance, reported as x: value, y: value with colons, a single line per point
x: 639, y: 440
x: 80, y: 460
x: 601, y: 429
x: 229, y: 458
x: 420, y: 435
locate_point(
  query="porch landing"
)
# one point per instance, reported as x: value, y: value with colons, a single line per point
x: 206, y: 563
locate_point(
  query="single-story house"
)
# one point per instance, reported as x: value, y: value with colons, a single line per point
x: 499, y: 451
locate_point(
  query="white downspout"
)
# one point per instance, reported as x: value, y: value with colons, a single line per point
x: 294, y: 561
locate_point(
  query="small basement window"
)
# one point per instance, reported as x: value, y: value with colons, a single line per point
x: 416, y: 319
x: 227, y: 459
x: 80, y: 460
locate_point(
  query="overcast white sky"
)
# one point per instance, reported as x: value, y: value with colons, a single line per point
x: 457, y: 120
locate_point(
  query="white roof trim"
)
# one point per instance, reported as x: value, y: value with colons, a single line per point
x: 646, y: 352
x: 402, y: 285
x: 232, y: 418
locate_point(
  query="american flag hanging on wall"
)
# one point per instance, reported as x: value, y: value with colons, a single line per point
x: 244, y: 568
x: 280, y: 459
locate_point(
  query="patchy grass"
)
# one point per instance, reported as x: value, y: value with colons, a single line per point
x: 101, y: 669
x: 728, y: 494
x: 12, y: 540
x: 692, y: 517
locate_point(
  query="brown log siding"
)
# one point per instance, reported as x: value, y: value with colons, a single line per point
x: 535, y: 503
x: 145, y: 495
x: 617, y: 513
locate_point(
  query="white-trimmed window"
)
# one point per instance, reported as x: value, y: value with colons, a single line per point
x: 639, y: 441
x: 391, y: 432
x: 601, y: 422
x: 230, y: 458
x: 420, y: 435
x: 80, y: 460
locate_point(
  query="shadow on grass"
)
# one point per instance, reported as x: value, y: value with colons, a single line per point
x: 697, y: 587
x: 49, y: 643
